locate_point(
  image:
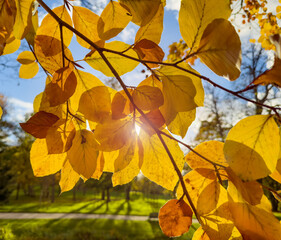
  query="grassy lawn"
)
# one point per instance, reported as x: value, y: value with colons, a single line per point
x: 71, y: 229
x: 117, y: 207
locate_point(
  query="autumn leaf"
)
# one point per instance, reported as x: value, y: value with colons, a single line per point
x: 142, y: 11
x: 29, y: 67
x: 68, y: 177
x: 83, y: 153
x: 120, y: 63
x: 195, y: 15
x: 121, y: 106
x: 271, y: 76
x: 175, y: 218
x: 44, y: 164
x: 95, y: 104
x: 148, y: 98
x: 39, y: 124
x: 254, y: 144
x: 113, y: 19
x: 1, y: 112
x: 85, y: 21
x: 156, y: 162
x: 220, y: 49
x: 62, y: 86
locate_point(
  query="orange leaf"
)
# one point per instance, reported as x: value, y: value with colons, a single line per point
x: 39, y: 124
x: 175, y: 218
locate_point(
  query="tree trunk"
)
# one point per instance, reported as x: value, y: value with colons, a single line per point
x: 127, y: 192
x: 102, y: 194
x: 107, y: 195
x: 18, y: 190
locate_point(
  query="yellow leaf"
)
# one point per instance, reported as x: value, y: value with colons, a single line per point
x: 195, y: 15
x: 180, y: 124
x: 32, y: 29
x: 220, y: 49
x: 252, y: 147
x: 157, y: 165
x: 85, y: 81
x: 12, y: 45
x: 1, y: 112
x: 24, y: 11
x: 251, y: 192
x: 83, y: 153
x: 142, y: 10
x: 200, y: 234
x: 100, y: 166
x: 62, y: 86
x: 51, y: 61
x: 59, y: 136
x: 153, y: 29
x: 148, y: 98
x: 85, y: 21
x: 95, y: 104
x: 175, y: 218
x: 156, y: 119
x: 186, y: 87
x: 271, y: 76
x: 113, y: 20
x: 128, y: 163
x: 26, y: 57
x: 114, y: 134
x: 39, y: 124
x: 121, y: 106
x: 149, y: 51
x: 29, y: 70
x: 121, y: 64
x: 276, y: 175
x: 50, y: 27
x: 255, y: 223
x: 68, y: 177
x: 42, y: 163
x: 212, y: 150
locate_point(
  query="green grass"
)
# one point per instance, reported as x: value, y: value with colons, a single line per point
x: 71, y: 229
x: 117, y: 207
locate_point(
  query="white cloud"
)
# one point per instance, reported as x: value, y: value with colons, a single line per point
x: 128, y: 34
x: 173, y: 4
x: 18, y: 109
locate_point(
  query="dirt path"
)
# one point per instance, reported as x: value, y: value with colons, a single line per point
x: 76, y: 216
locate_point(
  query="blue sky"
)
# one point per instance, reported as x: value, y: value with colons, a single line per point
x: 21, y: 92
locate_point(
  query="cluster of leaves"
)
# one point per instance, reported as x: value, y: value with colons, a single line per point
x: 83, y: 128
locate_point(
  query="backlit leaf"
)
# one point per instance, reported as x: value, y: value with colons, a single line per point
x: 95, y: 103
x: 50, y: 27
x: 153, y: 29
x: 39, y: 124
x: 128, y: 163
x: 1, y: 112
x: 142, y: 10
x: 24, y: 10
x: 149, y: 51
x: 271, y: 76
x: 83, y: 153
x: 212, y: 150
x: 181, y: 122
x: 113, y: 20
x: 255, y: 223
x: 220, y: 49
x: 68, y: 177
x: 195, y: 15
x: 157, y: 165
x: 175, y: 218
x: 12, y: 45
x: 254, y: 144
x: 28, y: 71
x: 121, y: 64
x: 148, y: 98
x: 121, y: 106
x: 85, y: 21
x: 85, y: 82
x: 42, y: 163
x: 62, y: 86
x: 59, y: 137
x: 114, y: 134
x: 26, y: 57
